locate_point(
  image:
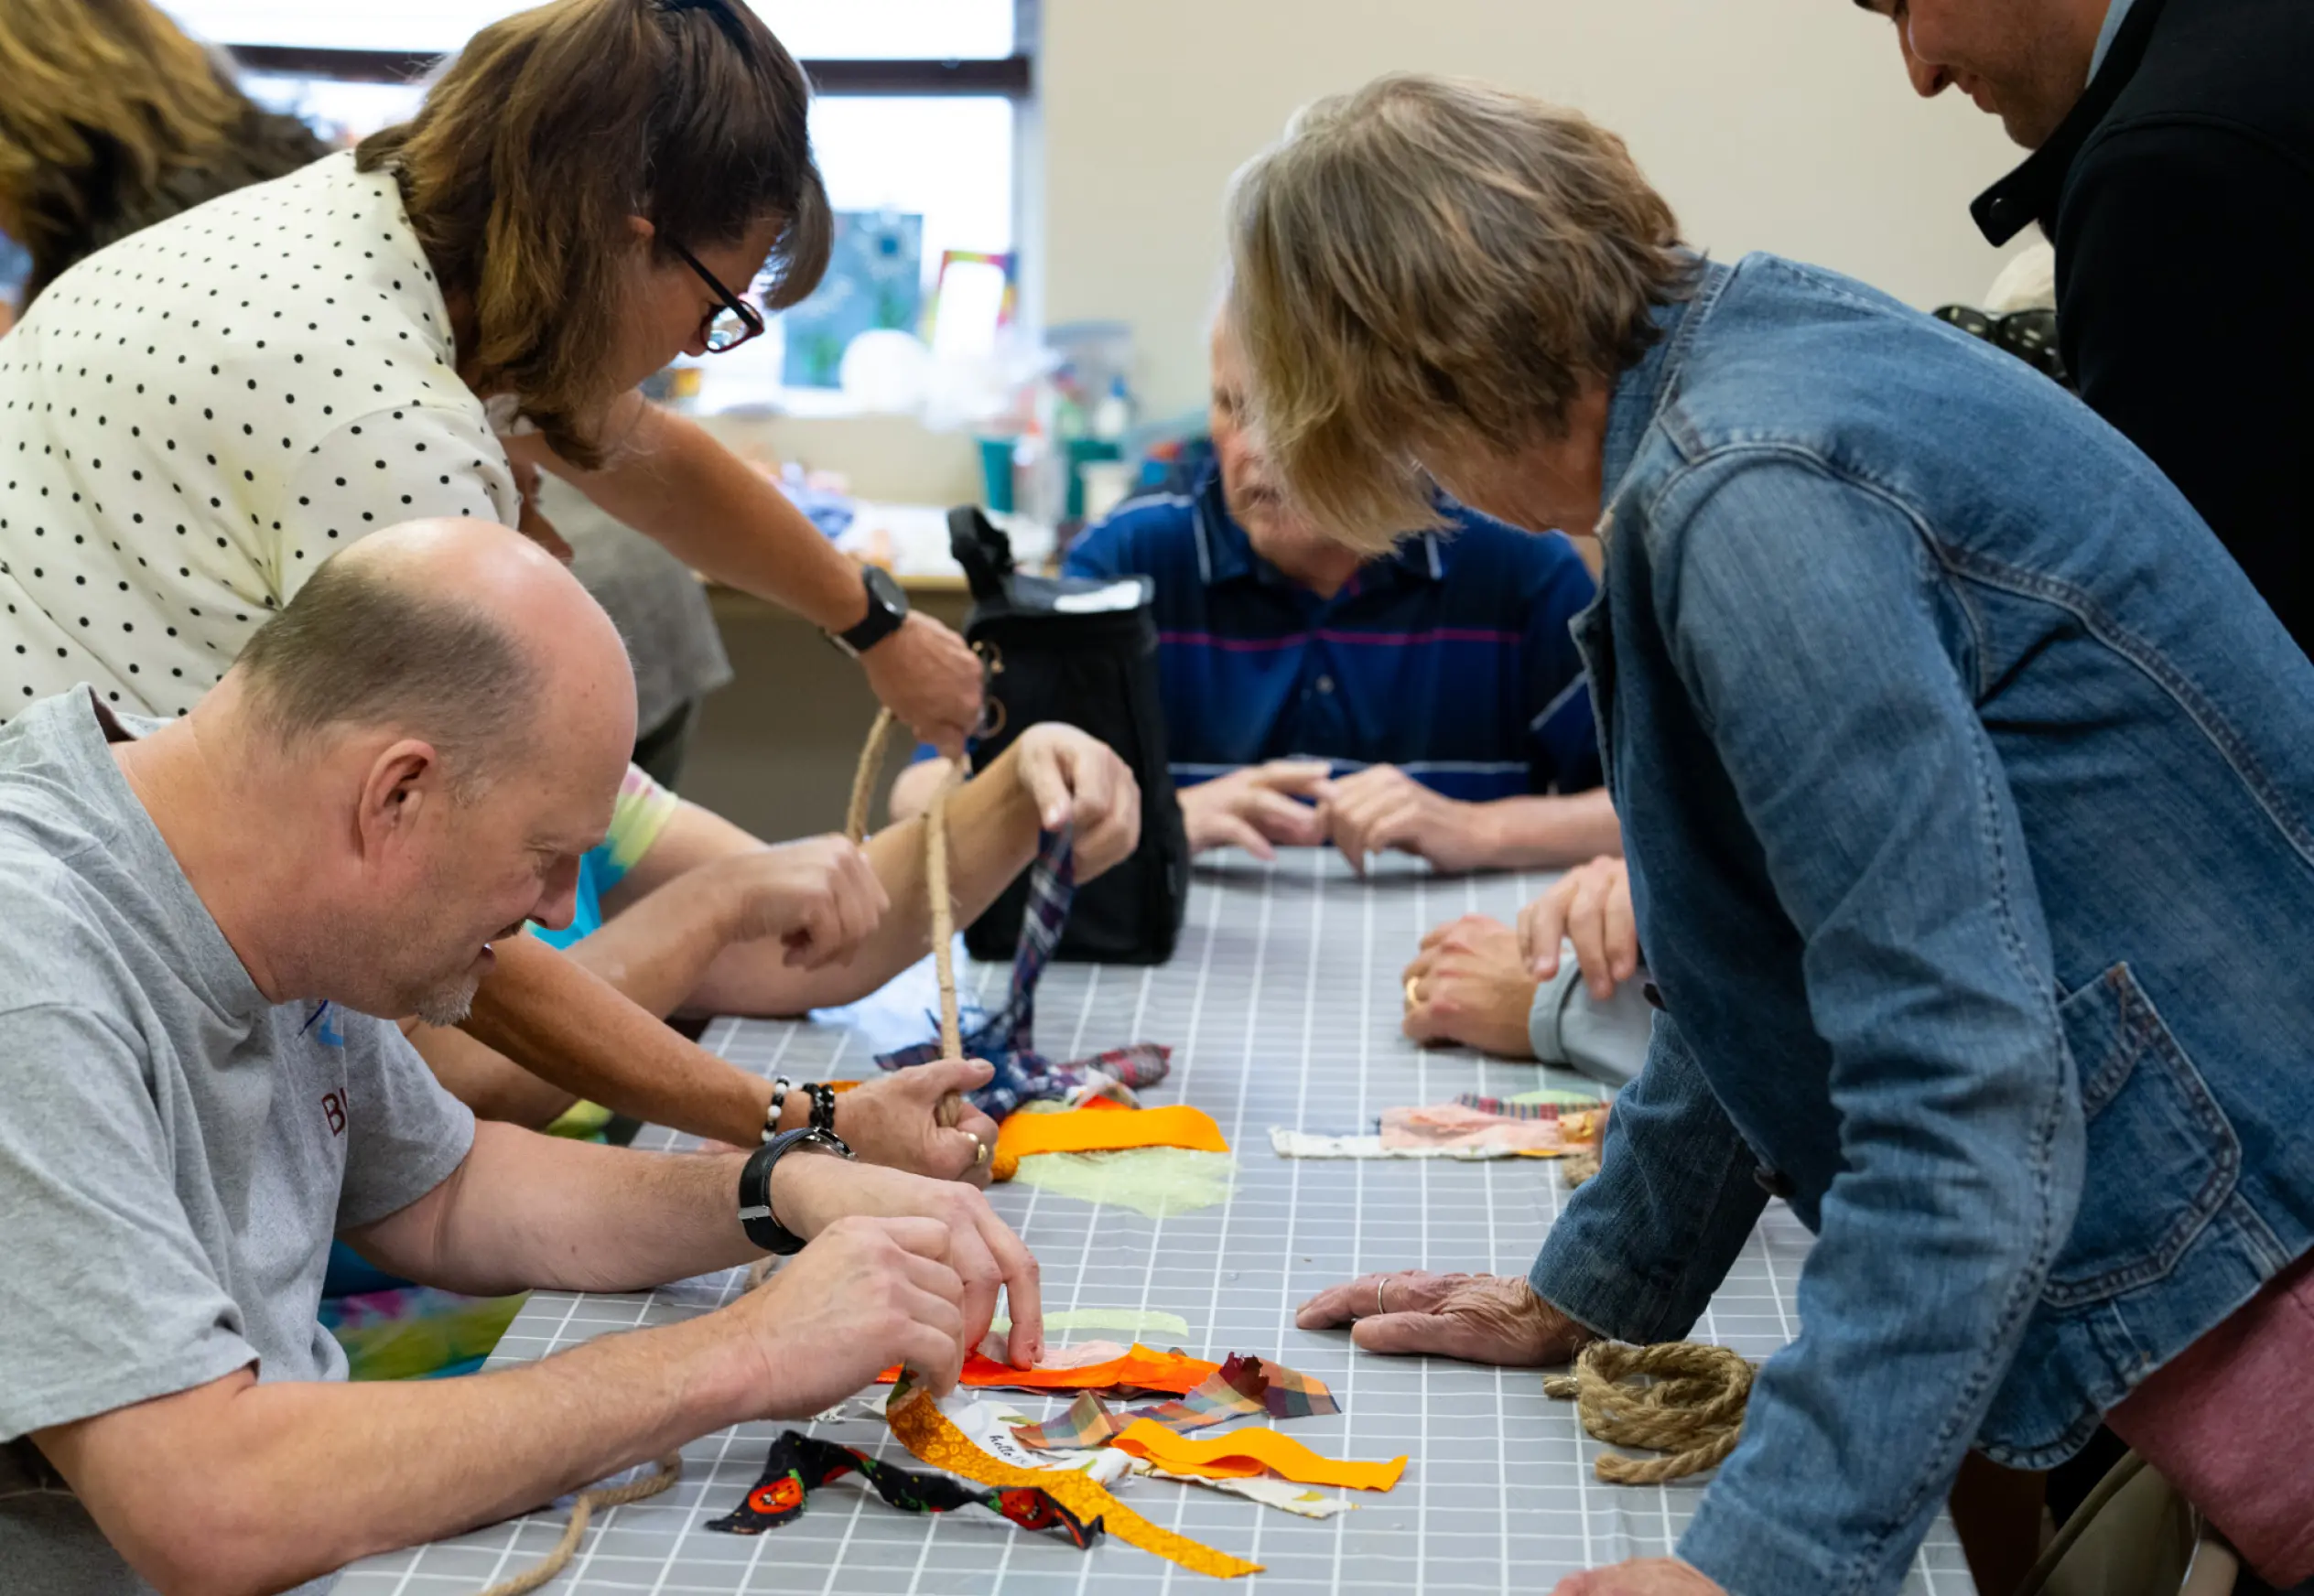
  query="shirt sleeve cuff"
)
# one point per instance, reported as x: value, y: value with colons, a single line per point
x: 1586, y: 1285
x: 1542, y: 1016
x: 1752, y: 1555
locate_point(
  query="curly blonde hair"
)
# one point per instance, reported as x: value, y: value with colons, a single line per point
x: 1435, y: 262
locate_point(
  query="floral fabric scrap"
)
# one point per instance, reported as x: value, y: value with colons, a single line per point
x: 800, y: 1464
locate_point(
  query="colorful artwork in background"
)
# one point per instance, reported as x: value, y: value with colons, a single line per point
x: 874, y: 283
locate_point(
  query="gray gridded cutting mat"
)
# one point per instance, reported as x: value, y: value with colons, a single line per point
x: 1282, y: 1006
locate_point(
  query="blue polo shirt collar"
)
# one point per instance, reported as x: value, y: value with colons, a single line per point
x: 1225, y: 553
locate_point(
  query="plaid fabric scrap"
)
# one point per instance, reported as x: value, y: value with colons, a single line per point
x: 1503, y: 1108
x: 1007, y: 1041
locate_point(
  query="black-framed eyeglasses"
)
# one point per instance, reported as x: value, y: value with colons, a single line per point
x: 733, y: 325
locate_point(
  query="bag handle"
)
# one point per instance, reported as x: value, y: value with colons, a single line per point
x: 985, y: 553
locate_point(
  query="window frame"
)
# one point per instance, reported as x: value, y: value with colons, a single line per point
x: 1013, y: 77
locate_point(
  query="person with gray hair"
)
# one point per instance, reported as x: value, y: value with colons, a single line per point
x: 1969, y: 819
x: 206, y: 930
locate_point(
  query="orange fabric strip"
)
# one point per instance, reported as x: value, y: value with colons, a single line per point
x: 1141, y: 1369
x: 1243, y: 1452
x: 927, y: 1432
x: 1094, y: 1130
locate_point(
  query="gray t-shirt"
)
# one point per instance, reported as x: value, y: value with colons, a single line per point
x: 175, y: 1151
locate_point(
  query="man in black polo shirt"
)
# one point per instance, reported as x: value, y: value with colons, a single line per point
x: 2173, y: 167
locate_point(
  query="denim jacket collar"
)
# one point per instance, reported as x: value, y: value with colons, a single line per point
x: 1642, y: 389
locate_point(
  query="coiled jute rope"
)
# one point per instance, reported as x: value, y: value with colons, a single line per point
x: 1683, y: 1399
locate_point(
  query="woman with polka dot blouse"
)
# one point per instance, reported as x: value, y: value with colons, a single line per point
x: 195, y: 417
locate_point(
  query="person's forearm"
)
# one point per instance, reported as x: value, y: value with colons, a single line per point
x: 568, y: 1025
x: 296, y: 1479
x: 1549, y: 833
x: 657, y: 950
x: 993, y: 830
x: 912, y: 790
x: 670, y: 480
x: 487, y: 1080
x: 525, y: 1211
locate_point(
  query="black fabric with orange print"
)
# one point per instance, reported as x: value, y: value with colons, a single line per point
x: 800, y: 1464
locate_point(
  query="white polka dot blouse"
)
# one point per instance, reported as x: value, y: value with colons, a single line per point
x: 193, y: 420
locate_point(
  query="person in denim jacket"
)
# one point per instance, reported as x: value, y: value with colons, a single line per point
x: 1968, y: 792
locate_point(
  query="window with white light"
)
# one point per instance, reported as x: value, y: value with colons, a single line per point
x: 914, y: 116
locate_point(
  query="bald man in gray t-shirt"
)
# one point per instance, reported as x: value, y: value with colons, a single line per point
x: 177, y: 1151
x: 197, y: 921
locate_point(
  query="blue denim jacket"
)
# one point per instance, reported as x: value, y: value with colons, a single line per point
x: 1970, y: 794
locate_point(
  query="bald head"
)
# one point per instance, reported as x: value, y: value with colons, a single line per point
x: 463, y: 633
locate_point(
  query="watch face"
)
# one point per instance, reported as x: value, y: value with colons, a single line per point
x: 884, y: 588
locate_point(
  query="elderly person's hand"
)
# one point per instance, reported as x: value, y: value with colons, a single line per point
x: 1640, y: 1577
x: 1480, y: 1318
x: 1074, y: 779
x: 1257, y: 808
x: 813, y: 1193
x: 926, y: 677
x: 1381, y: 808
x: 1591, y: 907
x: 1471, y: 985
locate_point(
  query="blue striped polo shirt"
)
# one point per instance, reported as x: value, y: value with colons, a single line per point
x: 1451, y: 659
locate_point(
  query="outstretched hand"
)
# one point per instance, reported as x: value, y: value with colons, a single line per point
x: 1640, y: 1577
x: 1258, y: 808
x: 1480, y: 1318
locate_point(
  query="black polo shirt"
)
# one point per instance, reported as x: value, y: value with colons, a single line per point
x: 2179, y: 194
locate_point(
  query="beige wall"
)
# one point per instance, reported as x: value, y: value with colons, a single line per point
x: 1778, y: 124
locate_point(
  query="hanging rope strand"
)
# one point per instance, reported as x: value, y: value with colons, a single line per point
x: 935, y: 850
x: 669, y: 1470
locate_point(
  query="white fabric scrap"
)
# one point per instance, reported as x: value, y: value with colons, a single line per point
x: 1302, y: 1144
x: 1266, y: 1489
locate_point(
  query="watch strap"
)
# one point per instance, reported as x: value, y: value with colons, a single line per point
x: 887, y: 611
x: 756, y: 1218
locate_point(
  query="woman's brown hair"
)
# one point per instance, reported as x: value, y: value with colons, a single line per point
x: 114, y: 120
x: 1434, y: 261
x: 552, y: 128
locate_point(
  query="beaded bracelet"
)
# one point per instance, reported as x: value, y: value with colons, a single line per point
x: 822, y: 1107
x: 780, y: 1087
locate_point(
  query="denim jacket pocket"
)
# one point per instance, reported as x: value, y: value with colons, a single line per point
x: 2162, y: 1156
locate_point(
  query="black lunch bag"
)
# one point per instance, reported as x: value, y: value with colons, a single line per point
x: 1083, y: 652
